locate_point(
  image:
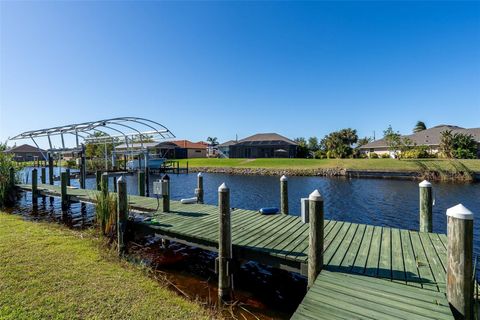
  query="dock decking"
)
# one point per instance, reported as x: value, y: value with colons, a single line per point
x: 369, y: 270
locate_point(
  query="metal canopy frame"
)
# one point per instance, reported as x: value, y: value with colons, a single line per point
x: 127, y: 129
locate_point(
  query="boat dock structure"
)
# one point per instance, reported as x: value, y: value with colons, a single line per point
x: 354, y: 271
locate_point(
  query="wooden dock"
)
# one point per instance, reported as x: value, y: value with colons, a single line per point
x: 370, y: 271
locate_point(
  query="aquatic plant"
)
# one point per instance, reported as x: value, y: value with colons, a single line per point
x: 106, y: 212
x: 7, y: 186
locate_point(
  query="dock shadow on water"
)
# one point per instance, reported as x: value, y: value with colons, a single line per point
x: 261, y: 292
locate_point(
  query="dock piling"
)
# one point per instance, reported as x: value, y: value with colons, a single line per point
x: 166, y: 193
x: 315, y: 245
x: 141, y: 183
x: 98, y: 176
x: 50, y: 169
x: 460, y: 261
x: 43, y: 176
x: 122, y: 214
x: 304, y: 206
x: 83, y: 168
x: 68, y: 176
x: 34, y: 186
x: 114, y: 184
x: 224, y: 266
x: 104, y: 184
x: 425, y: 190
x: 284, y: 194
x: 63, y: 182
x: 199, y: 190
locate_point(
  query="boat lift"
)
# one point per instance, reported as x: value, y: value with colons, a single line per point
x: 128, y: 130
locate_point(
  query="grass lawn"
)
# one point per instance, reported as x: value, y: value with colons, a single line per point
x: 50, y: 272
x: 354, y: 164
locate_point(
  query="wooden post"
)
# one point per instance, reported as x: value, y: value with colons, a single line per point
x: 141, y: 183
x: 11, y: 177
x: 187, y: 167
x: 224, y: 265
x: 104, y: 184
x: 147, y: 182
x: 199, y: 190
x: 425, y: 189
x: 63, y: 181
x: 304, y: 206
x: 83, y: 168
x: 43, y: 176
x: 284, y: 194
x: 68, y: 176
x: 460, y: 261
x: 114, y: 184
x: 50, y: 169
x: 122, y: 214
x: 98, y: 179
x: 166, y: 193
x: 34, y: 185
x: 315, y: 245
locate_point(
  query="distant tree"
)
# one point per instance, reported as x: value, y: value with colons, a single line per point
x: 213, y: 141
x: 420, y: 126
x: 464, y: 146
x: 446, y: 144
x: 363, y: 141
x: 302, y: 147
x: 313, y: 144
x: 96, y: 149
x: 3, y: 146
x: 339, y: 144
x: 393, y: 139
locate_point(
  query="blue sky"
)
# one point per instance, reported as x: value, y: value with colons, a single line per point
x: 221, y: 69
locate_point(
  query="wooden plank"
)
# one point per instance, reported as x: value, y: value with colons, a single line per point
x: 371, y: 267
x: 428, y: 279
x: 411, y: 271
x: 362, y: 255
x: 385, y: 259
x: 398, y: 268
x: 353, y: 250
x: 336, y: 259
x: 433, y: 259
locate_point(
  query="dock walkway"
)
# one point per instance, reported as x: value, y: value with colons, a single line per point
x: 369, y: 270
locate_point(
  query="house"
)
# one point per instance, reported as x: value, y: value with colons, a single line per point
x: 224, y: 148
x: 262, y: 145
x: 26, y: 152
x: 178, y: 149
x: 430, y: 137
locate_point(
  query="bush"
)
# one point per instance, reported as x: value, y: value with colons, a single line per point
x: 418, y: 152
x: 385, y: 155
x: 330, y: 154
x: 71, y: 163
x: 320, y: 154
x: 7, y: 186
x: 106, y: 212
x: 373, y: 155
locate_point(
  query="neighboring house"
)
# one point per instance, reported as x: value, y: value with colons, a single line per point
x: 26, y: 152
x: 262, y: 145
x: 179, y: 149
x: 224, y: 148
x: 430, y: 137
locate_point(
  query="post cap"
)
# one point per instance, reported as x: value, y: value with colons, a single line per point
x: 121, y: 179
x: 460, y: 212
x: 199, y: 175
x: 284, y: 178
x: 315, y: 196
x: 425, y: 184
x: 223, y: 188
x: 166, y: 177
x: 105, y: 174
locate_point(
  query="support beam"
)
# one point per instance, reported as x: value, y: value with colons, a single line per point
x: 122, y: 214
x: 199, y: 190
x: 315, y: 246
x: 224, y: 262
x: 425, y: 190
x: 284, y: 194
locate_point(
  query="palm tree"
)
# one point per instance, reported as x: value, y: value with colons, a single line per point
x: 213, y: 141
x: 446, y: 143
x: 420, y: 126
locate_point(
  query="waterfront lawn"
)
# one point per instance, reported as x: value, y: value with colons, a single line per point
x: 50, y: 272
x: 353, y: 164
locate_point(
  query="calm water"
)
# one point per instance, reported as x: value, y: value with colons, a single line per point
x: 392, y: 203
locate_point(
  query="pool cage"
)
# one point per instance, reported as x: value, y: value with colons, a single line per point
x: 73, y: 139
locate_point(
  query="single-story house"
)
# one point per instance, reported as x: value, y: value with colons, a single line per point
x: 261, y: 145
x: 178, y: 149
x: 224, y: 148
x: 26, y: 152
x: 430, y: 137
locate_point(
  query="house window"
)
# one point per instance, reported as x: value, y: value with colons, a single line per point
x: 198, y: 151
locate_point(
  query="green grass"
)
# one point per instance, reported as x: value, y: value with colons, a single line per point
x: 50, y: 272
x: 354, y: 164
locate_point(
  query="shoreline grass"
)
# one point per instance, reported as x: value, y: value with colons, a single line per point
x: 51, y: 272
x: 418, y: 165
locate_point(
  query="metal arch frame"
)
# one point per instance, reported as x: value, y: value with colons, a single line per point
x: 88, y: 128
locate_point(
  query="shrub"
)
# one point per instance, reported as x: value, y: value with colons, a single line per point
x: 385, y: 155
x: 330, y: 154
x: 106, y: 212
x: 373, y: 155
x: 417, y: 152
x: 71, y: 163
x: 320, y: 154
x: 7, y: 186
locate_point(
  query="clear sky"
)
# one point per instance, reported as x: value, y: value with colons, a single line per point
x: 226, y: 68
